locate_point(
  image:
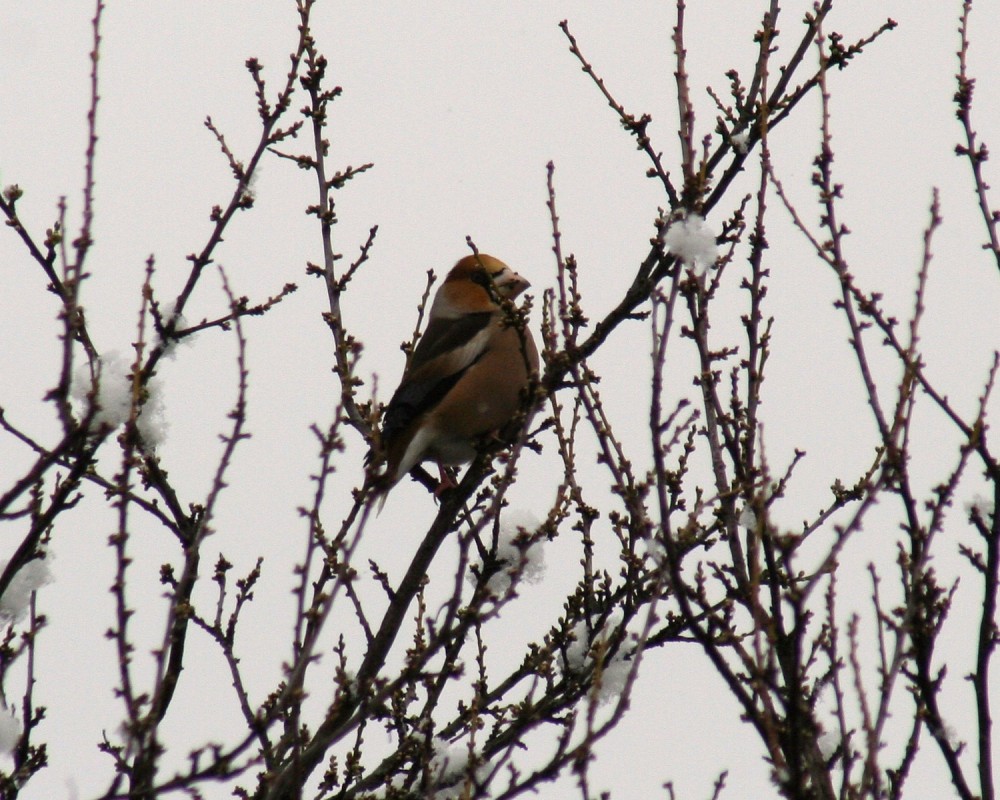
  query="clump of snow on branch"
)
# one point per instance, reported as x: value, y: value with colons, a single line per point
x: 748, y: 519
x: 111, y: 391
x: 947, y: 734
x: 152, y: 423
x: 10, y: 731
x: 691, y: 240
x: 585, y: 649
x: 168, y: 313
x: 981, y: 505
x: 828, y: 742
x: 652, y: 548
x: 449, y: 760
x: 449, y: 766
x: 31, y: 577
x: 741, y: 141
x: 518, y: 557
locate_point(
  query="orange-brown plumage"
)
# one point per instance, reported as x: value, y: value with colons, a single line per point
x: 467, y: 373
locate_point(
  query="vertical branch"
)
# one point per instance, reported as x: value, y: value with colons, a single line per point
x: 74, y: 321
x: 134, y: 728
x: 757, y: 343
x: 987, y: 639
x: 975, y: 152
x: 829, y: 192
x: 84, y: 240
x: 345, y: 347
x: 685, y: 112
x: 570, y: 315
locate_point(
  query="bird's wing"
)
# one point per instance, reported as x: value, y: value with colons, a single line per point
x: 450, y: 339
x: 443, y: 354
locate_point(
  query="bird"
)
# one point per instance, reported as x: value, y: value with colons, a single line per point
x: 466, y: 377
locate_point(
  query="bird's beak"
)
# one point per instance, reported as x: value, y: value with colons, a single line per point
x: 510, y: 284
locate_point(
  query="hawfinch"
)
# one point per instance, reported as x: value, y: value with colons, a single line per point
x: 465, y: 378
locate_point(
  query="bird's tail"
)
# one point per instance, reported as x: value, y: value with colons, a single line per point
x: 377, y: 484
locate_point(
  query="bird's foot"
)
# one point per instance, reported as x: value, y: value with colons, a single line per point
x: 447, y: 481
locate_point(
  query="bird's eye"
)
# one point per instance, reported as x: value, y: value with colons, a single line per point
x: 481, y: 277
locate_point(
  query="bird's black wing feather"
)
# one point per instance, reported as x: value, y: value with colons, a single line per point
x: 416, y: 395
x: 444, y: 335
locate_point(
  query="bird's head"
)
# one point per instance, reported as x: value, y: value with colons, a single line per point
x: 471, y: 283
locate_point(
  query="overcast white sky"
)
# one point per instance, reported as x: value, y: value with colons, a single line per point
x: 459, y: 105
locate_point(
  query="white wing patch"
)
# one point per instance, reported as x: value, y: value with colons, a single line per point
x: 415, y: 450
x: 461, y: 357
